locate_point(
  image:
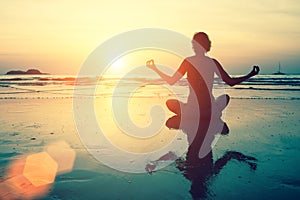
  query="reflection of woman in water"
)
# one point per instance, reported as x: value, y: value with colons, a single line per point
x: 200, y: 70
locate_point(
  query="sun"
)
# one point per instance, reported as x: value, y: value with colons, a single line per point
x: 117, y: 67
x: 118, y: 64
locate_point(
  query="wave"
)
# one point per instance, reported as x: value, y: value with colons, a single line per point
x: 72, y: 97
x: 268, y: 98
x: 272, y: 89
x: 293, y: 80
x: 286, y: 80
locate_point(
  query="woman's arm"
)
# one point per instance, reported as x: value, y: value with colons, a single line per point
x: 170, y: 156
x: 169, y: 79
x: 233, y: 81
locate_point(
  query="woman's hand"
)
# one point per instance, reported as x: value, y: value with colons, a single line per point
x: 150, y: 167
x: 151, y: 65
x: 254, y: 71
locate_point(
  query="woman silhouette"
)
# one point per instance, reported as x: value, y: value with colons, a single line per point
x: 200, y: 70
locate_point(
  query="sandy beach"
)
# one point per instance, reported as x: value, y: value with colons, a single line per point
x: 261, y: 128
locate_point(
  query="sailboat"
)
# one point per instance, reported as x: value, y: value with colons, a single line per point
x: 279, y: 72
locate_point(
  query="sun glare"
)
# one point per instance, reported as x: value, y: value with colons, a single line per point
x: 118, y: 64
x: 136, y: 59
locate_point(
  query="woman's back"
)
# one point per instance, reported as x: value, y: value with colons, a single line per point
x: 200, y: 75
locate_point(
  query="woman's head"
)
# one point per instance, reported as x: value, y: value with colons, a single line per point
x: 202, y: 39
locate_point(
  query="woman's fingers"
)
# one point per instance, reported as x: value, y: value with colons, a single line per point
x: 150, y: 62
x: 256, y: 69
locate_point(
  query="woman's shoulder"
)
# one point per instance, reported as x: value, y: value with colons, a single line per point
x: 190, y: 58
x: 200, y: 60
x: 199, y: 57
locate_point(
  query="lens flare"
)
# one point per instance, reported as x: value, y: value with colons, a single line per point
x: 31, y: 176
x: 63, y: 154
x: 40, y: 169
x: 20, y: 186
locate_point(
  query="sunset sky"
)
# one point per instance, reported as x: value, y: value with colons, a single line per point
x: 57, y: 36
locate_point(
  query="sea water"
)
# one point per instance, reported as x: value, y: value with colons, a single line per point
x: 60, y: 86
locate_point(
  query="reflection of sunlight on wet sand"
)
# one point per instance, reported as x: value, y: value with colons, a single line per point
x: 140, y: 104
x: 143, y: 99
x: 31, y: 176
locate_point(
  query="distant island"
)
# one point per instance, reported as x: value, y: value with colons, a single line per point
x: 28, y: 72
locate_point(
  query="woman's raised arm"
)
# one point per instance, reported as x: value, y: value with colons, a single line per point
x: 236, y: 80
x: 169, y: 79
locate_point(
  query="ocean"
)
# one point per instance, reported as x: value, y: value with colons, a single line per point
x: 60, y: 86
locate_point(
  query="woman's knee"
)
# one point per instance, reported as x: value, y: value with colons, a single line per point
x: 172, y: 103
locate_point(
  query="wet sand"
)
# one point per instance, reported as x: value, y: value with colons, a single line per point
x: 267, y: 130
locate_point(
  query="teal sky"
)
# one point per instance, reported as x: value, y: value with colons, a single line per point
x: 57, y: 36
